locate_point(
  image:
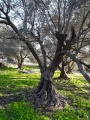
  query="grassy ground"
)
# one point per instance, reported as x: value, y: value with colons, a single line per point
x: 14, y: 85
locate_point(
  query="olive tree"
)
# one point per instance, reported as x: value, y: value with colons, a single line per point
x: 61, y: 17
x: 14, y: 51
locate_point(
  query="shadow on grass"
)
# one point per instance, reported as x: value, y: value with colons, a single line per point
x: 17, y: 96
x: 70, y: 90
x: 14, y: 87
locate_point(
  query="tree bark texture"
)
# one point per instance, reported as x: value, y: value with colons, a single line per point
x: 63, y: 74
x: 46, y: 95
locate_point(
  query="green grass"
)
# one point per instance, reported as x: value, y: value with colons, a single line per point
x: 11, y: 80
x: 20, y: 111
x: 77, y: 91
x: 31, y: 67
x: 71, y: 114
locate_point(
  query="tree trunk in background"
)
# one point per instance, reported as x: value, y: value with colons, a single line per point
x: 19, y: 65
x: 70, y: 67
x: 63, y: 74
x: 20, y: 62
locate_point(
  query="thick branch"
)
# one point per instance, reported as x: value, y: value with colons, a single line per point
x: 57, y: 58
x: 37, y: 37
x: 79, y: 64
x: 4, y: 22
x: 22, y: 38
x: 87, y: 65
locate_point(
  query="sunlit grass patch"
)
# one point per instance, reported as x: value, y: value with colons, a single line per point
x: 1, y: 94
x: 57, y: 74
x: 11, y: 80
x: 31, y: 67
x: 77, y: 79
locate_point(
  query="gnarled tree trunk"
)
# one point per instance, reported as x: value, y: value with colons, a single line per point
x: 63, y: 74
x: 20, y: 62
x: 46, y: 95
x: 70, y: 67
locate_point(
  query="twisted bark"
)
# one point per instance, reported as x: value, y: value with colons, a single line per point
x: 45, y: 95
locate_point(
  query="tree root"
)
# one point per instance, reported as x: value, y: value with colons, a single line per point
x: 50, y: 98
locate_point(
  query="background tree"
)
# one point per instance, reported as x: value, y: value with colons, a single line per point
x: 17, y: 52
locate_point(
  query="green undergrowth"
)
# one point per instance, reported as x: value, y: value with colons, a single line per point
x: 76, y: 90
x: 20, y: 111
x: 70, y: 113
x: 11, y: 80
